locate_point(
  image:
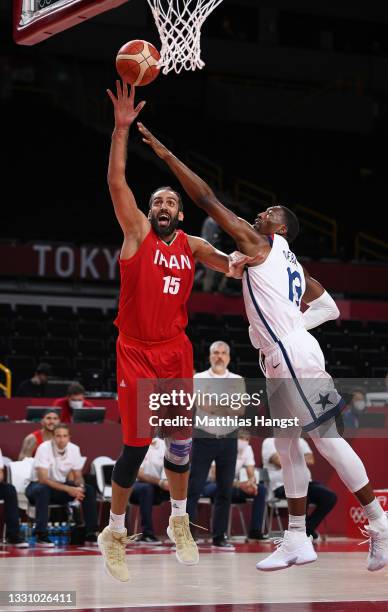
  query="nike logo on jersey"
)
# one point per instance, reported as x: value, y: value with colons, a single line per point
x: 122, y: 384
x: 276, y: 366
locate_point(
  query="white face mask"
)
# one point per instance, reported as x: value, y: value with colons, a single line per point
x: 242, y: 444
x: 75, y: 403
x: 359, y: 405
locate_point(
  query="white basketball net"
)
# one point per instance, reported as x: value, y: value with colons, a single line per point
x: 179, y: 24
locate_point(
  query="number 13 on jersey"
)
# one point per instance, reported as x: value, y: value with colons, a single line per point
x: 294, y: 286
x: 171, y: 284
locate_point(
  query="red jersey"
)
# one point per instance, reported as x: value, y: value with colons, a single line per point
x: 38, y: 438
x: 155, y: 286
x: 66, y: 410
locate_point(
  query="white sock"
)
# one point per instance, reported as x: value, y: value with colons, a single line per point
x: 297, y: 523
x: 376, y: 516
x: 117, y: 522
x: 178, y: 507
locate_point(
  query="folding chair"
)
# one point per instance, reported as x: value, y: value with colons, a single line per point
x: 6, y: 462
x: 99, y: 467
x: 19, y: 475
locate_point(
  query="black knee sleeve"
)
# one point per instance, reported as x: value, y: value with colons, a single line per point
x: 173, y: 467
x: 177, y: 455
x: 127, y: 465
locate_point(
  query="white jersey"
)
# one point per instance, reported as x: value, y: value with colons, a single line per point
x: 273, y: 293
x: 298, y: 385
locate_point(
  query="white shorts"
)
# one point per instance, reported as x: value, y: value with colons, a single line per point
x: 297, y: 382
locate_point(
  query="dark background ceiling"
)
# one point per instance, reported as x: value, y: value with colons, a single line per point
x: 293, y: 98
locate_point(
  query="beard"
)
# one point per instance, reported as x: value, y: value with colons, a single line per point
x: 165, y: 230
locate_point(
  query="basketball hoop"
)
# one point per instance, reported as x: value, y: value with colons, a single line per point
x: 179, y: 25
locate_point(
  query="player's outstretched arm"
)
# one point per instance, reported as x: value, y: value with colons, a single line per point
x: 321, y: 306
x: 248, y: 240
x: 208, y: 255
x: 132, y: 221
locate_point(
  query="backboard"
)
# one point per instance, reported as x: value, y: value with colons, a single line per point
x: 36, y: 20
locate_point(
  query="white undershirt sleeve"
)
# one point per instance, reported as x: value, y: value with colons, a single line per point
x: 319, y: 311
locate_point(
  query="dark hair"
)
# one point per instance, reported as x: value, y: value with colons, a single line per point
x: 62, y: 426
x: 167, y: 188
x: 49, y: 411
x: 43, y: 368
x: 358, y: 391
x: 291, y: 223
x: 75, y: 388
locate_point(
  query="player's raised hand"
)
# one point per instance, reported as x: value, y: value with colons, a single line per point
x: 237, y: 263
x: 124, y: 105
x: 153, y: 142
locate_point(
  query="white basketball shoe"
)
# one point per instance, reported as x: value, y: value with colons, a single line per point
x: 378, y: 548
x: 295, y: 548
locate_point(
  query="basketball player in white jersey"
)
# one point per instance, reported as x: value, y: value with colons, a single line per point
x: 274, y: 285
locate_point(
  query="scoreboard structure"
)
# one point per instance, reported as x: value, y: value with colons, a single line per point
x: 36, y: 20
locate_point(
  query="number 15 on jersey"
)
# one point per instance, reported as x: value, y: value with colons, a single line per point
x: 171, y: 284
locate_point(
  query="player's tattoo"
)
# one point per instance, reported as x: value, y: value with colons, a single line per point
x: 28, y: 447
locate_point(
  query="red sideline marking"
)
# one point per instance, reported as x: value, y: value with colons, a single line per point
x: 346, y: 546
x: 343, y: 606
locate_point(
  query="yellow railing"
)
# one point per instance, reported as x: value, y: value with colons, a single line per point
x: 208, y: 170
x: 8, y: 381
x: 319, y: 223
x: 364, y: 244
x: 252, y: 193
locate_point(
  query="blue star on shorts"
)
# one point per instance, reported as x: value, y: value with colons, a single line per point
x: 324, y: 400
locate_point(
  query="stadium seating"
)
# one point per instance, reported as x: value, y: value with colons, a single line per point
x: 80, y: 343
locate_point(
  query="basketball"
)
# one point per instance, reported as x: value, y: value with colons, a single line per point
x: 136, y: 62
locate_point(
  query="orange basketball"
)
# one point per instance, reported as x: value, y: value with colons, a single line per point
x: 136, y: 62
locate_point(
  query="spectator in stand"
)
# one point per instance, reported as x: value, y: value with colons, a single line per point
x: 227, y: 28
x: 323, y: 498
x: 355, y: 407
x: 9, y: 495
x: 151, y: 488
x: 75, y: 399
x: 35, y: 386
x: 57, y: 478
x: 244, y: 489
x: 31, y: 442
x: 210, y: 231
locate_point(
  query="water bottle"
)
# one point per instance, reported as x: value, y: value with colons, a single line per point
x: 24, y: 531
x: 32, y: 535
x: 50, y: 532
x: 61, y: 534
x: 65, y: 534
x: 56, y: 534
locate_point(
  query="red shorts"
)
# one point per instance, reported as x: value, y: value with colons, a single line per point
x: 172, y: 359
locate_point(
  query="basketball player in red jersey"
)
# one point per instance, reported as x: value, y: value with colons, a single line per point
x: 157, y: 264
x: 35, y: 439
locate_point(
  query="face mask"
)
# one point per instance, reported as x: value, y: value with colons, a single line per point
x: 75, y: 404
x: 242, y: 444
x: 359, y: 405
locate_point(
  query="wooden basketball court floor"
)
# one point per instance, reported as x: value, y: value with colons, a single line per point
x: 223, y: 581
